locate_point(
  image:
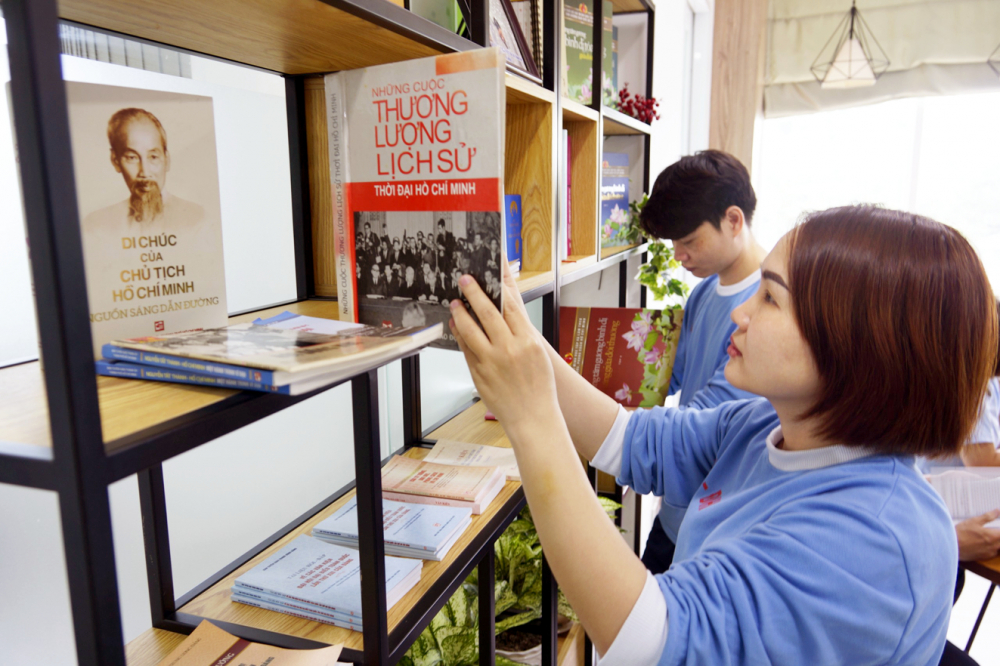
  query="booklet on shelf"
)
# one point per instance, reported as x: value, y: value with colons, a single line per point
x: 614, y: 200
x: 409, y: 480
x: 311, y: 574
x: 512, y: 227
x: 410, y: 530
x: 627, y: 353
x: 151, y: 217
x: 464, y: 454
x: 208, y: 645
x: 269, y: 355
x: 416, y: 151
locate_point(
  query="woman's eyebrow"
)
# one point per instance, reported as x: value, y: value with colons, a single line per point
x: 773, y: 277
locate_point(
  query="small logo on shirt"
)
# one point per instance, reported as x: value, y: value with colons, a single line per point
x: 709, y: 500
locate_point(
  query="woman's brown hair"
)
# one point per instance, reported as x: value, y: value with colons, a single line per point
x: 901, y: 319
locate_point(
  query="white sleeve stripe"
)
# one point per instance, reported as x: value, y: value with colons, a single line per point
x: 641, y: 640
x: 609, y: 456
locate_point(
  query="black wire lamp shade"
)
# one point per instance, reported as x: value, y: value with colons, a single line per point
x: 994, y: 60
x: 852, y: 57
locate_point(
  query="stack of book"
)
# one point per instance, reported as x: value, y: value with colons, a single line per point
x: 464, y: 454
x: 409, y: 480
x: 288, y: 354
x: 410, y: 530
x: 320, y: 581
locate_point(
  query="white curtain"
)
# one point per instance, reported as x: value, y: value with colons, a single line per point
x: 933, y: 46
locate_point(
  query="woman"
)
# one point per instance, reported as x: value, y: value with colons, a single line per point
x: 809, y: 536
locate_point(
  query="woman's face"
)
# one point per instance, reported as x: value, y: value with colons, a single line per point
x: 768, y: 355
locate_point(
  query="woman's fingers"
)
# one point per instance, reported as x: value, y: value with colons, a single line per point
x: 482, y: 305
x: 516, y: 316
x: 468, y: 332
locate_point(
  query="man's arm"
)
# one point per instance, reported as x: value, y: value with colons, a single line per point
x: 980, y: 455
x: 977, y: 542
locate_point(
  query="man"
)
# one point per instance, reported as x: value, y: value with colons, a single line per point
x: 409, y: 288
x: 704, y: 203
x: 139, y: 153
x: 376, y: 286
x: 391, y: 281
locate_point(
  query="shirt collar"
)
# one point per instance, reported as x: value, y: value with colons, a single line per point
x: 733, y: 289
x: 800, y: 461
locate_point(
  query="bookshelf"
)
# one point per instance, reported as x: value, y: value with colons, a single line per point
x: 66, y: 430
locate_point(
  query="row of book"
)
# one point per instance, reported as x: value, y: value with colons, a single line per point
x: 426, y: 507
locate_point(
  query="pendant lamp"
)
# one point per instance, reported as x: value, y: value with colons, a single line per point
x: 855, y: 59
x: 994, y: 61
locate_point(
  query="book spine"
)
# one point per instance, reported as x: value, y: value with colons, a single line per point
x: 130, y: 371
x: 343, y: 219
x: 113, y: 352
x: 305, y: 615
x: 434, y: 501
x: 274, y: 593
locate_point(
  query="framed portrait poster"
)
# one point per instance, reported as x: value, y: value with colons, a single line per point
x: 506, y: 35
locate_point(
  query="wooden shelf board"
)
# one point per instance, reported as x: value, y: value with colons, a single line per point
x: 578, y: 262
x: 521, y: 91
x: 127, y: 405
x: 623, y: 6
x: 617, y: 123
x: 528, y: 280
x: 572, y: 647
x: 573, y: 111
x: 215, y: 602
x: 288, y: 36
x: 611, y: 251
x: 151, y: 647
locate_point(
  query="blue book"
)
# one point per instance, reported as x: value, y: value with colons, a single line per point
x: 410, y: 530
x: 325, y: 575
x: 614, y: 199
x: 154, y: 373
x: 512, y: 225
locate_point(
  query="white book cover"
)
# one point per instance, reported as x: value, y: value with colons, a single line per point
x: 416, y: 153
x: 417, y: 526
x: 464, y: 454
x: 147, y: 186
x: 969, y: 492
x: 321, y: 573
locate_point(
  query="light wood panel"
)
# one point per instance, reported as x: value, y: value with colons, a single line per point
x: 576, y: 262
x: 528, y: 280
x: 622, y: 6
x: 609, y: 251
x: 585, y: 185
x: 127, y: 405
x: 528, y: 172
x: 740, y: 35
x: 573, y: 110
x: 152, y: 647
x: 571, y: 647
x: 215, y: 603
x: 320, y: 203
x: 617, y: 123
x: 289, y: 36
x: 521, y: 91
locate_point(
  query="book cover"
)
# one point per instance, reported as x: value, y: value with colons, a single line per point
x: 289, y: 355
x: 614, y: 199
x: 415, y: 477
x: 627, y: 353
x: 296, y: 609
x: 578, y: 38
x: 416, y: 166
x: 449, y: 452
x: 208, y: 645
x: 614, y: 64
x: 412, y: 526
x: 316, y: 572
x: 569, y: 192
x: 147, y: 189
x: 609, y: 93
x: 159, y: 374
x: 512, y: 226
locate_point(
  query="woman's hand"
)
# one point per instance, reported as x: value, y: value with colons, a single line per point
x: 977, y: 542
x: 507, y: 358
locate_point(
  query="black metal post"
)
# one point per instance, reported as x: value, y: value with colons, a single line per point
x: 550, y: 615
x: 979, y: 619
x: 551, y: 40
x: 479, y: 25
x: 623, y: 283
x: 371, y: 543
x: 643, y: 258
x: 156, y: 536
x: 636, y: 523
x: 550, y: 318
x: 49, y: 193
x: 487, y: 609
x: 412, y: 418
x: 597, y: 97
x: 298, y: 162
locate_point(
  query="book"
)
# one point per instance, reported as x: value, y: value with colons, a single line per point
x: 416, y: 151
x: 450, y: 452
x: 569, y: 192
x: 159, y: 374
x: 271, y: 355
x: 312, y: 573
x: 408, y: 480
x: 208, y: 645
x: 271, y: 603
x: 578, y: 41
x: 609, y: 92
x: 627, y: 353
x: 296, y: 322
x: 614, y: 199
x: 410, y: 530
x: 512, y: 228
x: 151, y: 217
x: 614, y: 66
x: 969, y: 492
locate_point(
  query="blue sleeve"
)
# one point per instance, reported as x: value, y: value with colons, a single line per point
x: 677, y: 376
x: 792, y: 586
x: 717, y: 391
x: 669, y: 451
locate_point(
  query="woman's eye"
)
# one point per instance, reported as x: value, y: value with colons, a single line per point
x: 767, y: 297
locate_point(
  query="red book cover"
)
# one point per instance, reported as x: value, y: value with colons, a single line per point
x: 627, y: 353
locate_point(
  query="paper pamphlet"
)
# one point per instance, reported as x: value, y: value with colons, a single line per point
x: 969, y: 492
x: 450, y: 452
x: 209, y: 645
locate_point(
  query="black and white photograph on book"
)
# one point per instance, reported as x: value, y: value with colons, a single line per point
x: 408, y: 265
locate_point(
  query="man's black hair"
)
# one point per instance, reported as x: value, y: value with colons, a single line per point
x: 697, y: 189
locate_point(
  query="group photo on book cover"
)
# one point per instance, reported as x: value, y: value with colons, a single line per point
x: 408, y: 263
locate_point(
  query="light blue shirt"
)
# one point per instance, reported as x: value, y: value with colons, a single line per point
x: 699, y: 367
x: 832, y: 556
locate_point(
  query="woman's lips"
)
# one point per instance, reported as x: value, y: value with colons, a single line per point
x: 732, y: 349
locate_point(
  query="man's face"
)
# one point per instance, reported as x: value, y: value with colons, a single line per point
x: 479, y: 240
x: 144, y: 160
x: 493, y: 245
x: 375, y: 272
x: 706, y: 250
x: 409, y: 274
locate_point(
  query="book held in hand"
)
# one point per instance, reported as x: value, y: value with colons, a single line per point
x: 627, y: 353
x: 208, y: 645
x: 450, y: 452
x: 408, y: 480
x: 968, y: 492
x: 410, y: 530
x: 321, y: 579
